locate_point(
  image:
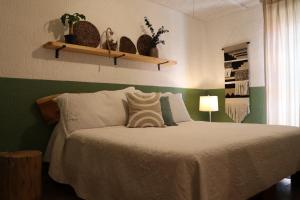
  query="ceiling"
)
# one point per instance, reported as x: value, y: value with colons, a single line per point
x: 207, y: 9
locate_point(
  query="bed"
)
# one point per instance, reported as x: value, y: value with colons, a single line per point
x: 192, y: 161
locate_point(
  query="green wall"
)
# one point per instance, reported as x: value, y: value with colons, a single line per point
x: 21, y: 126
x: 257, y: 106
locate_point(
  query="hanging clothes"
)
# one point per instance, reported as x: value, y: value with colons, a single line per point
x: 241, y: 88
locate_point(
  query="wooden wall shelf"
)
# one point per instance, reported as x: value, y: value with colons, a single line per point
x: 61, y: 46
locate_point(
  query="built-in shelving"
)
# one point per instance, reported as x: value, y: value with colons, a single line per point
x: 237, y: 60
x: 232, y: 82
x: 230, y: 78
x: 61, y: 46
x: 235, y: 70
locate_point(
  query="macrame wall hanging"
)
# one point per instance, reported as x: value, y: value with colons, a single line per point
x: 237, y: 94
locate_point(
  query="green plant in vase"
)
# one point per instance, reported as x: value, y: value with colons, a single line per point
x: 71, y: 20
x: 155, y: 37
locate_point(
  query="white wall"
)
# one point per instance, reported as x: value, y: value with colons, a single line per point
x: 196, y: 45
x: 243, y: 26
x: 26, y: 25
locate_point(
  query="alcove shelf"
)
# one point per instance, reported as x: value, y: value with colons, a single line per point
x: 237, y: 60
x: 61, y: 46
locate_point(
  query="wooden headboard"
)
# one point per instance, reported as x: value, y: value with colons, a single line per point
x: 49, y: 109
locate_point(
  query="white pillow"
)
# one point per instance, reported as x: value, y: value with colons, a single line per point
x: 178, y: 108
x: 93, y: 110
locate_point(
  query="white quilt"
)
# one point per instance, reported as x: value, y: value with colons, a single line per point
x: 193, y: 161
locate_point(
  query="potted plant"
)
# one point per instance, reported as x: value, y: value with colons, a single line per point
x: 155, y: 38
x: 71, y: 20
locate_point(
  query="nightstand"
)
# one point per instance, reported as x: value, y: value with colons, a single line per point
x: 21, y: 175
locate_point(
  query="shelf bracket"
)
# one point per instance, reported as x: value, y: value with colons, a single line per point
x: 116, y: 58
x: 158, y: 65
x: 58, y: 49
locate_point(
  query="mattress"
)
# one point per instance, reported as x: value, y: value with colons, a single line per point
x: 192, y: 161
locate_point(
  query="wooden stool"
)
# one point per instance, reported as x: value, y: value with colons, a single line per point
x: 20, y: 175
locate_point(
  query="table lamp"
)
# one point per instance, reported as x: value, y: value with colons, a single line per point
x: 208, y: 104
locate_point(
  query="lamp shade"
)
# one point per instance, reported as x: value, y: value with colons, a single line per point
x: 208, y: 103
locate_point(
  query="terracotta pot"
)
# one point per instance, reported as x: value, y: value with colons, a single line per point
x: 153, y: 52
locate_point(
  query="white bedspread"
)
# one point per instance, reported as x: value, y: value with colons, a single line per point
x: 193, y: 161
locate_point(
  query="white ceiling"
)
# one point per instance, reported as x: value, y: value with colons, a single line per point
x: 207, y: 9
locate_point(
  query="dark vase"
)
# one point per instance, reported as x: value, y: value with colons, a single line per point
x: 70, y: 39
x: 153, y: 52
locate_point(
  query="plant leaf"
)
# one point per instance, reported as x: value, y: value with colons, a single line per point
x: 64, y: 18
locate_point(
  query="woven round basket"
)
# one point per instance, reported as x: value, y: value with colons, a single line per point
x: 127, y: 46
x: 144, y: 44
x: 86, y: 34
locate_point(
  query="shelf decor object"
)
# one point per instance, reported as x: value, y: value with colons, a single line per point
x: 109, y: 42
x: 71, y: 20
x: 126, y: 45
x: 155, y: 38
x: 144, y: 44
x: 61, y: 46
x: 237, y: 93
x: 86, y: 34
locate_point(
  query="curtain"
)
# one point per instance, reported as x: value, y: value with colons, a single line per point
x: 282, y: 61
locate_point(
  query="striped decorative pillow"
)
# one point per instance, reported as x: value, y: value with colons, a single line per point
x: 144, y: 110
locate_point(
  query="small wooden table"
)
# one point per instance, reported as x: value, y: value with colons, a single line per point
x: 20, y: 175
